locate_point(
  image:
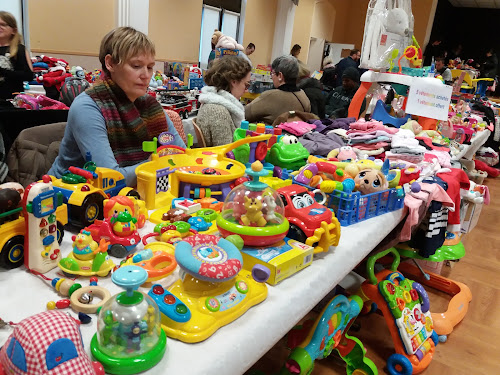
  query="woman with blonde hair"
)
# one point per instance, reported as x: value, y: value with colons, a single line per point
x: 15, y: 62
x: 113, y: 118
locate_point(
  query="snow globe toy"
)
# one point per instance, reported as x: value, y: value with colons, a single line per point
x: 254, y: 211
x: 129, y: 337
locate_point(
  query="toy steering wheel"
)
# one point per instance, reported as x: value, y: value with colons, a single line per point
x: 208, y: 257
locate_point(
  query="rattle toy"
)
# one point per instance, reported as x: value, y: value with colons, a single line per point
x: 129, y: 338
x: 158, y: 263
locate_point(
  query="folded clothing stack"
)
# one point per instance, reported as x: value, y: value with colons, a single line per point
x: 370, y: 137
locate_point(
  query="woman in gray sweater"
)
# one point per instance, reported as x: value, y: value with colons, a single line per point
x: 221, y: 111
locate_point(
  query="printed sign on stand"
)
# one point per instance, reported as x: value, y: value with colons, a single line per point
x: 429, y: 97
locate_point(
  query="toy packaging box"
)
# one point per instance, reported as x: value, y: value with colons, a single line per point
x: 282, y: 259
x: 219, y: 52
x: 469, y: 214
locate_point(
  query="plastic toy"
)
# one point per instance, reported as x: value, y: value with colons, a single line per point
x: 178, y: 103
x: 47, y: 343
x: 249, y: 153
x: 85, y: 189
x: 158, y: 263
x: 213, y: 289
x: 137, y: 208
x: 87, y: 258
x: 405, y: 306
x: 246, y: 212
x: 310, y: 222
x: 329, y: 332
x: 40, y: 202
x: 129, y: 338
x: 288, y: 153
x: 120, y: 231
x: 181, y: 175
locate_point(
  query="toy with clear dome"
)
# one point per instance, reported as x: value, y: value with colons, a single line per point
x: 254, y: 211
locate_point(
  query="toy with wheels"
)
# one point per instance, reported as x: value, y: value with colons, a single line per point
x: 129, y: 339
x: 87, y: 258
x: 405, y: 306
x: 85, y: 189
x: 213, y: 290
x: 329, y: 332
x: 253, y: 211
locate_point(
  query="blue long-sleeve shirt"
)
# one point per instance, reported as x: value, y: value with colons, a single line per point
x: 86, y: 131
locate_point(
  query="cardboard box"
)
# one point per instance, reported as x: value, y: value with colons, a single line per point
x: 283, y: 259
x: 469, y: 215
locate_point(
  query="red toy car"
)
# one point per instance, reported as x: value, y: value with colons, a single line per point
x: 120, y: 232
x: 310, y: 222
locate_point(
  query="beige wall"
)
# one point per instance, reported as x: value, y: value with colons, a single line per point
x: 341, y: 19
x: 174, y: 27
x: 324, y: 18
x: 69, y: 26
x: 260, y: 18
x: 422, y: 14
x: 302, y: 26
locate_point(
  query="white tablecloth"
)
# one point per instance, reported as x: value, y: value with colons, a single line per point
x: 233, y: 348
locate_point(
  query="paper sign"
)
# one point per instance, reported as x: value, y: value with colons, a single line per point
x: 429, y: 97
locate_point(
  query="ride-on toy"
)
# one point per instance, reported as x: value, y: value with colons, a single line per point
x: 87, y: 258
x: 405, y: 306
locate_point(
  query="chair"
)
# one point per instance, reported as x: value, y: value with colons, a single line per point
x: 33, y: 152
x: 199, y: 135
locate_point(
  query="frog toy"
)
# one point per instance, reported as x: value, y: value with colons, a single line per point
x: 288, y: 153
x: 123, y: 224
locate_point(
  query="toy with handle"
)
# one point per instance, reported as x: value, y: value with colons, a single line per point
x: 327, y: 333
x: 405, y: 306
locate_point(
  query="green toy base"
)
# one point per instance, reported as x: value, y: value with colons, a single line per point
x: 132, y: 365
x: 445, y: 252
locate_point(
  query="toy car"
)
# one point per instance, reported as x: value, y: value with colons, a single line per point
x: 120, y: 232
x: 310, y: 222
x: 85, y: 189
x: 178, y: 103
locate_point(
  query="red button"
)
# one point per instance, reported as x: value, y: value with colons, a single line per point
x: 52, y: 228
x: 169, y: 299
x: 158, y: 289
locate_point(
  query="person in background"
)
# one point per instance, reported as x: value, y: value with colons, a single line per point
x: 313, y: 89
x: 221, y: 111
x: 443, y: 71
x: 211, y: 57
x: 329, y: 77
x: 295, y: 52
x: 15, y: 61
x: 350, y: 61
x: 434, y: 49
x: 250, y: 49
x: 338, y: 101
x: 113, y: 118
x: 455, y: 53
x: 490, y: 65
x: 285, y: 97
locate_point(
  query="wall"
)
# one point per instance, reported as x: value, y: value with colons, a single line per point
x: 324, y: 18
x: 260, y: 17
x: 340, y: 22
x: 302, y: 26
x: 174, y: 27
x: 423, y: 14
x: 69, y: 26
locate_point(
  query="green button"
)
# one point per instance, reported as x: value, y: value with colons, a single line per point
x: 181, y: 309
x: 182, y: 226
x: 212, y: 304
x: 207, y: 214
x: 52, y: 218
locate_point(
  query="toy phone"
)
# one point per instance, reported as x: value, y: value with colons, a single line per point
x: 41, y: 248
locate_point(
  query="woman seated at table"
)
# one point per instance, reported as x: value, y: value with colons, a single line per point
x: 221, y: 111
x: 285, y: 97
x: 113, y: 118
x: 15, y: 62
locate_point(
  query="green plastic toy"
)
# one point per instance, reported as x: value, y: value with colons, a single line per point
x: 288, y: 153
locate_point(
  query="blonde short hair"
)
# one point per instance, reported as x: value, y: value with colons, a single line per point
x: 124, y: 43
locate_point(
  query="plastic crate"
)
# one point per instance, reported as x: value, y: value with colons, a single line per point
x: 351, y: 208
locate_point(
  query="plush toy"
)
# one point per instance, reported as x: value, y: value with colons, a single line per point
x: 224, y: 41
x: 55, y: 76
x: 344, y: 153
x: 413, y: 126
x: 370, y: 181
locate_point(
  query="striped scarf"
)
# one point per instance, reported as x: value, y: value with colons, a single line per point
x: 128, y: 124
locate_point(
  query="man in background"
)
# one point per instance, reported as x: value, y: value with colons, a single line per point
x: 250, y: 49
x: 351, y: 61
x: 443, y: 71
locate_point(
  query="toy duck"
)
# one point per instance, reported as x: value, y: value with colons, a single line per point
x: 123, y: 224
x: 84, y: 245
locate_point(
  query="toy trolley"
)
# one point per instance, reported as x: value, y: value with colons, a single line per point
x: 405, y: 306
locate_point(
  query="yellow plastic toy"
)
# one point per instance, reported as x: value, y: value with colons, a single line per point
x: 194, y: 174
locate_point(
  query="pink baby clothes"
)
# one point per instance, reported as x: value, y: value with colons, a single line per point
x: 413, y: 201
x: 443, y: 157
x: 298, y: 128
x: 370, y: 146
x: 367, y: 126
x: 354, y: 134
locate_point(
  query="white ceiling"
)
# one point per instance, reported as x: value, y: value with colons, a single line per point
x: 476, y: 3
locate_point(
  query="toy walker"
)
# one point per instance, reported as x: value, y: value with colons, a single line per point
x: 405, y: 306
x: 254, y: 211
x: 129, y: 337
x: 213, y: 290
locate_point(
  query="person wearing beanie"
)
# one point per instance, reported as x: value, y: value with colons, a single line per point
x: 338, y: 101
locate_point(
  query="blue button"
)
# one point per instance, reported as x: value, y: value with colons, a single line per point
x: 48, y: 240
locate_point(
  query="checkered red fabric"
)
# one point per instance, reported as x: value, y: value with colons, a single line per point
x: 35, y: 334
x: 177, y: 121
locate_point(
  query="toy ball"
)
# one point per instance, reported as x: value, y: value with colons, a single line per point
x: 47, y: 341
x: 415, y: 187
x: 254, y: 211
